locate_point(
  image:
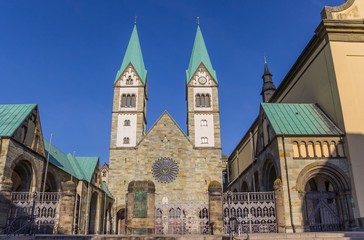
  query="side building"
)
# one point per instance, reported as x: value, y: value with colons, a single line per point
x: 70, y: 180
x: 306, y: 143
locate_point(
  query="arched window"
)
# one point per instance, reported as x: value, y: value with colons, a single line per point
x: 123, y: 101
x: 198, y: 100
x: 127, y: 122
x: 133, y: 100
x: 333, y: 152
x: 126, y: 140
x: 203, y: 122
x: 340, y: 149
x: 104, y: 173
x: 207, y: 100
x: 303, y: 149
x: 128, y: 100
x: 318, y: 150
x: 202, y: 100
x: 296, y: 153
x: 204, y: 140
x: 310, y: 150
x: 325, y: 149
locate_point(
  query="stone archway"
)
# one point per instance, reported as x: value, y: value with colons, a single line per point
x: 121, y: 222
x: 23, y: 177
x: 244, y: 187
x: 108, y: 222
x: 52, y: 185
x: 93, y: 214
x: 269, y: 175
x: 326, y: 195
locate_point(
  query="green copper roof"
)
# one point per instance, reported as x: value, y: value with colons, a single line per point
x: 299, y: 119
x: 134, y: 56
x: 199, y: 55
x: 83, y: 167
x: 105, y: 187
x: 12, y: 116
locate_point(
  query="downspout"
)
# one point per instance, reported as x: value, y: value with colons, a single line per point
x: 228, y: 171
x: 237, y: 159
x: 87, y: 205
x: 253, y: 158
x: 1, y: 145
x: 103, y: 224
x: 289, y: 190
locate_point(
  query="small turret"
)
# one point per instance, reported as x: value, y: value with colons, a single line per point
x: 268, y: 85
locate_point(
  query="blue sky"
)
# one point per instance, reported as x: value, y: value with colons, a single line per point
x: 64, y: 55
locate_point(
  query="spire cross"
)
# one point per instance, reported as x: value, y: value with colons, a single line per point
x: 198, y: 20
x: 135, y: 18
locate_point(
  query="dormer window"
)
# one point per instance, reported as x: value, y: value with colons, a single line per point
x: 203, y: 122
x: 126, y: 140
x: 104, y: 173
x: 204, y: 140
x: 203, y: 100
x: 127, y: 122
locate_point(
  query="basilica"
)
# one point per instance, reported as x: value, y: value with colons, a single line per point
x: 298, y: 168
x: 178, y: 165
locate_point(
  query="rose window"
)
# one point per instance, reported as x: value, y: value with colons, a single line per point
x: 165, y: 170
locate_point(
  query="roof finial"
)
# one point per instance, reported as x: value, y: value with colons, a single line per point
x: 198, y: 20
x: 135, y: 18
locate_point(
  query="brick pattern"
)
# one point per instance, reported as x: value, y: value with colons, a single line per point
x: 197, y: 167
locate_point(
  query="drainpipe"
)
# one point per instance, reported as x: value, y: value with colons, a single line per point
x: 253, y: 158
x: 103, y: 224
x: 1, y: 145
x: 289, y: 190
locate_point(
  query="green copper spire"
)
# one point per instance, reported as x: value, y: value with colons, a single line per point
x: 199, y: 55
x: 134, y: 56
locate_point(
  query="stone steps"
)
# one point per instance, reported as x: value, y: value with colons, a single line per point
x: 305, y: 236
x: 268, y: 236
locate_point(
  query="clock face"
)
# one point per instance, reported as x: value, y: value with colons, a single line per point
x: 202, y: 80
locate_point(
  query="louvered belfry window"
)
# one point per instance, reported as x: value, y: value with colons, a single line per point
x: 128, y: 100
x: 203, y: 100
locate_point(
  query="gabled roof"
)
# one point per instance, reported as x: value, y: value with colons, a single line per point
x: 299, y: 119
x: 12, y: 116
x: 199, y: 55
x: 83, y: 167
x: 165, y: 113
x: 134, y: 56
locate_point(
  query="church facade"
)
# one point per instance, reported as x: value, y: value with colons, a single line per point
x: 176, y: 165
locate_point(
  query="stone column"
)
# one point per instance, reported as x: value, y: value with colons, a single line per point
x: 140, y: 208
x: 215, y: 208
x: 278, y: 193
x: 67, y: 208
x: 5, y: 199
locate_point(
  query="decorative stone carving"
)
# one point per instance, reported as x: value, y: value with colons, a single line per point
x: 165, y: 170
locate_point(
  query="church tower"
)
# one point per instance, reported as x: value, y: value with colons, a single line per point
x: 130, y: 98
x: 203, y: 116
x: 268, y: 85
